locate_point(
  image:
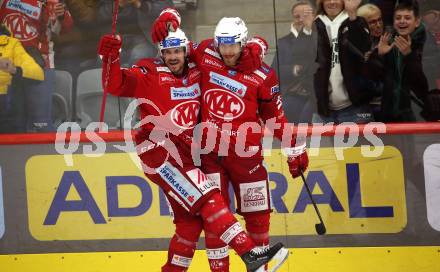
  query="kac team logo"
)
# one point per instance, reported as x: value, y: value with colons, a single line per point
x: 20, y: 26
x: 185, y: 115
x: 223, y: 104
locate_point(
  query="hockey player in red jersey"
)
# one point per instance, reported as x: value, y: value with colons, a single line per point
x: 168, y: 93
x: 238, y: 98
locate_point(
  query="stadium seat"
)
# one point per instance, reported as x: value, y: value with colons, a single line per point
x: 89, y: 95
x: 62, y: 98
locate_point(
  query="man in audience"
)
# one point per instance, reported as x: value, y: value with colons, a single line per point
x: 294, y: 64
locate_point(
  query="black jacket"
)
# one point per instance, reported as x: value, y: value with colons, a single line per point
x: 292, y: 51
x: 404, y: 74
x: 351, y: 34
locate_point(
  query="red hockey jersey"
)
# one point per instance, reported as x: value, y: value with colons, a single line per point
x: 176, y: 100
x: 237, y: 105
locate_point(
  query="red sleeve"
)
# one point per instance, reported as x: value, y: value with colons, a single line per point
x: 270, y: 104
x: 196, y: 50
x: 131, y: 82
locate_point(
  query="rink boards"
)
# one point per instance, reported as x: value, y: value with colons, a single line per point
x: 379, y: 216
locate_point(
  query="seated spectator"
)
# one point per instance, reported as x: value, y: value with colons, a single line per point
x: 15, y: 66
x: 373, y: 70
x: 294, y: 64
x: 339, y: 98
x: 34, y: 24
x: 403, y: 64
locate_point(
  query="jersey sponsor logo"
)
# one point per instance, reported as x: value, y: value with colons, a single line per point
x: 163, y: 69
x: 2, y: 213
x: 181, y: 260
x: 223, y: 104
x: 232, y: 72
x: 254, y: 196
x: 186, y: 114
x: 275, y: 89
x: 227, y: 83
x: 26, y: 8
x: 166, y: 79
x: 217, y: 253
x: 251, y: 79
x: 213, y: 63
x: 179, y: 183
x: 212, y: 53
x: 20, y: 26
x: 202, y: 181
x: 260, y: 74
x: 231, y: 232
x: 189, y: 92
x: 431, y: 157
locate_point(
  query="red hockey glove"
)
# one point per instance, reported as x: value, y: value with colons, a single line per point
x: 252, y: 56
x: 297, y: 160
x: 169, y: 19
x: 109, y: 47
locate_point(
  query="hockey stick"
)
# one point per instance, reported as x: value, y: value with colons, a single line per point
x: 104, y: 95
x: 319, y: 227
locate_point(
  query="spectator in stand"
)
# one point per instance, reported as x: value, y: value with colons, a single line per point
x: 402, y: 53
x: 294, y: 64
x: 373, y: 69
x: 339, y: 97
x: 34, y: 22
x: 15, y: 67
x: 431, y: 53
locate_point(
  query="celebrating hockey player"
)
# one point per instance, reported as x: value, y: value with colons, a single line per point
x: 168, y: 89
x: 237, y: 95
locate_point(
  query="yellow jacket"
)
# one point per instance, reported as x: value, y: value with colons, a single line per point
x: 11, y: 48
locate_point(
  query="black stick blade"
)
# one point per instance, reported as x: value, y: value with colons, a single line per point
x: 320, y: 229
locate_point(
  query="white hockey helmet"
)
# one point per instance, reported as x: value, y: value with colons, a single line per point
x: 173, y: 40
x: 230, y: 30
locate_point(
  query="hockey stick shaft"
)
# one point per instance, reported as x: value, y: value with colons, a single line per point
x: 104, y: 95
x: 311, y: 198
